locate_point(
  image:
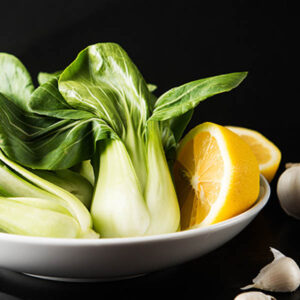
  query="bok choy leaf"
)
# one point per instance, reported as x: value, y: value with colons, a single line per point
x: 15, y: 81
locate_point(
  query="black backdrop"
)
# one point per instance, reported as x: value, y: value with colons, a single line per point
x: 173, y: 42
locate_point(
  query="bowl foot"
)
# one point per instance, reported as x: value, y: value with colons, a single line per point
x: 96, y: 279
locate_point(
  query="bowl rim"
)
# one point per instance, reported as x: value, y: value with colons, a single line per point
x: 253, y: 210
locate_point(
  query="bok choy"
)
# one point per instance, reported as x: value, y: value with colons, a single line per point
x: 100, y: 108
x: 134, y: 194
x: 71, y: 181
x: 31, y: 205
x: 35, y: 202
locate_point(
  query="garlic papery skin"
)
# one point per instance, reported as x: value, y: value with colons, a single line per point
x: 288, y: 190
x: 254, y: 296
x: 281, y: 275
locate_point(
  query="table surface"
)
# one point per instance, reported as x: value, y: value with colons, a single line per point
x: 218, y: 275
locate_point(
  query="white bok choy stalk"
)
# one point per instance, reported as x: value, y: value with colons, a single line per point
x: 71, y: 181
x: 128, y: 202
x: 30, y: 205
x: 85, y: 169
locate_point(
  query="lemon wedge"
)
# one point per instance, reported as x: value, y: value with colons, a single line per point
x: 266, y: 152
x: 216, y: 175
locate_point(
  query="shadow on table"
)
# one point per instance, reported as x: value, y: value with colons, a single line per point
x: 4, y: 296
x: 27, y: 287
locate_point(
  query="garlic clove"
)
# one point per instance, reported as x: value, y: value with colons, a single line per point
x: 281, y: 275
x: 288, y: 190
x: 254, y: 296
x: 289, y: 165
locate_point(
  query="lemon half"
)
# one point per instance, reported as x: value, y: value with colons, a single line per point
x: 216, y: 175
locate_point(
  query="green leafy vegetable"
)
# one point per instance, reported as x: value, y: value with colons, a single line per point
x: 180, y: 100
x: 104, y: 81
x: 15, y: 81
x: 85, y: 169
x: 20, y: 217
x: 100, y: 109
x: 39, y: 194
x: 23, y: 190
x: 71, y: 181
x: 151, y: 87
x: 32, y: 140
x: 43, y: 77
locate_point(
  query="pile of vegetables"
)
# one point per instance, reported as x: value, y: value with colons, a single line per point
x: 88, y: 152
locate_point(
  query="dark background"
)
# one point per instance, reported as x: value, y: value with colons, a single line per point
x: 173, y: 42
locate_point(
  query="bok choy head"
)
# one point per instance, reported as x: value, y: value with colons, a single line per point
x: 43, y: 205
x: 31, y: 205
x: 134, y: 193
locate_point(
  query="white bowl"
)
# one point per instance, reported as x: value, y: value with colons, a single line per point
x: 118, y: 258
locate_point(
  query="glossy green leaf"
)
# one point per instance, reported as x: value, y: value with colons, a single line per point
x: 179, y: 124
x: 47, y: 100
x: 43, y: 77
x: 104, y: 81
x: 180, y: 100
x: 15, y: 81
x: 151, y: 87
x: 33, y: 140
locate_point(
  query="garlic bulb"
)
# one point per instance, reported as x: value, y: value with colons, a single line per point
x: 281, y: 275
x: 254, y: 296
x: 288, y: 190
